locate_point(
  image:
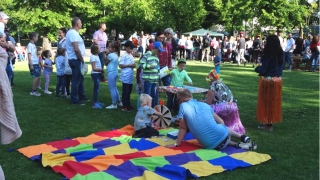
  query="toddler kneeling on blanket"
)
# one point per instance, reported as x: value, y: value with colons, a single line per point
x: 143, y: 124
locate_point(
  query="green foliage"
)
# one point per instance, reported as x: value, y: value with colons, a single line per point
x: 127, y: 16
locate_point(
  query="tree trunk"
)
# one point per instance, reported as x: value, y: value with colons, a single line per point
x: 300, y: 30
x: 46, y: 44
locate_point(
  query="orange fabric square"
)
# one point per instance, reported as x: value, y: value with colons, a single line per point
x: 161, y: 151
x: 36, y: 150
x: 103, y: 162
x: 128, y: 129
x: 92, y: 138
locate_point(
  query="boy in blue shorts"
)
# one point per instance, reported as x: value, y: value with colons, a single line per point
x: 34, y: 66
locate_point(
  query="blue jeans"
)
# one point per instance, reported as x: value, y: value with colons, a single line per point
x: 288, y: 58
x: 217, y: 68
x: 77, y: 88
x: 315, y: 57
x: 96, y: 86
x: 21, y: 57
x: 142, y: 50
x: 151, y: 89
x: 101, y: 60
x: 61, y: 84
x: 126, y: 92
x: 102, y: 78
x: 197, y: 50
x: 166, y: 81
x: 9, y: 73
x: 112, y: 82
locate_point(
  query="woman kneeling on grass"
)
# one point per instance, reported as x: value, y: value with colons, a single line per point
x: 220, y: 98
x: 269, y: 110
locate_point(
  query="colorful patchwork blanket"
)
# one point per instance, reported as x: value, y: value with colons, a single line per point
x: 116, y: 155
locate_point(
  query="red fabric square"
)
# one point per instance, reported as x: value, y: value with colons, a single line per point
x: 134, y: 155
x: 63, y: 143
x: 71, y: 168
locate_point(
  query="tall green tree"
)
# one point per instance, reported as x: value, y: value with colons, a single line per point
x: 45, y: 17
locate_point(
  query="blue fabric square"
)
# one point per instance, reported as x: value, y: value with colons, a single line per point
x: 142, y: 144
x: 229, y: 163
x: 188, y: 136
x: 125, y: 170
x: 105, y: 144
x: 86, y: 155
x: 173, y: 172
x: 181, y: 159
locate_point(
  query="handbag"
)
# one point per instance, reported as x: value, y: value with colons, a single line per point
x: 84, y: 68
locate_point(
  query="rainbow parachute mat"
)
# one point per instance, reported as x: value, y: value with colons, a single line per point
x: 116, y: 155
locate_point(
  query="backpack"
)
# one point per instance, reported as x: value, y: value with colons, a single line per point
x: 206, y: 42
x: 256, y: 45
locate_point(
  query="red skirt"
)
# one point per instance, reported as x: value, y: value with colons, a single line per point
x: 269, y: 108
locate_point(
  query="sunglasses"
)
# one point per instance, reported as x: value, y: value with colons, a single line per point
x: 167, y: 33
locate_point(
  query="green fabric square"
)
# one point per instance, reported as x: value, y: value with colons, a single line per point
x: 208, y: 154
x: 80, y: 147
x: 150, y: 162
x: 124, y: 139
x: 94, y: 176
x: 166, y: 131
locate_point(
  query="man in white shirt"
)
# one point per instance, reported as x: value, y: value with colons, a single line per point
x: 288, y: 52
x: 76, y: 50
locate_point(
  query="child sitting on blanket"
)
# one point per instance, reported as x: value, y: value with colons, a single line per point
x: 143, y: 125
x: 178, y: 76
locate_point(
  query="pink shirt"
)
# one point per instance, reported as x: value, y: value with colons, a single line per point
x: 102, y: 39
x: 164, y: 58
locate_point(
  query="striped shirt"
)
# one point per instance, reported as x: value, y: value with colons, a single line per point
x: 148, y: 60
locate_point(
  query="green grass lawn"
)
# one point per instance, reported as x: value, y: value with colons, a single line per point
x: 293, y: 144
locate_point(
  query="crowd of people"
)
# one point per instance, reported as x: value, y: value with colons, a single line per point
x: 213, y: 121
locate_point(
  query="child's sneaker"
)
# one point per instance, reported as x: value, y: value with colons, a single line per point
x: 96, y: 106
x: 35, y: 93
x: 120, y: 104
x: 247, y: 146
x: 101, y: 104
x: 112, y: 107
x: 47, y: 92
x: 245, y: 138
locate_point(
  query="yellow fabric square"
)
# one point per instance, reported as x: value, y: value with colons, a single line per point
x: 103, y: 162
x: 37, y: 149
x: 161, y: 151
x: 149, y: 175
x: 92, y: 138
x: 203, y: 168
x: 50, y: 159
x: 119, y: 149
x: 251, y: 157
x: 162, y: 140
